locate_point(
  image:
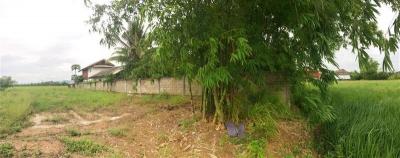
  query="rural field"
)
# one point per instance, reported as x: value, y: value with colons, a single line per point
x: 367, y: 120
x: 65, y: 122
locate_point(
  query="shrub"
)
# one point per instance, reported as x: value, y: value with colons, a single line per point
x: 6, y: 150
x: 309, y: 99
x: 395, y: 76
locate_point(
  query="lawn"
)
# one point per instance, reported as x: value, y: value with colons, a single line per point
x: 16, y: 104
x: 367, y: 120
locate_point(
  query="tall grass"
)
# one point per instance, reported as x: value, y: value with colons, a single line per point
x: 367, y: 120
x: 17, y: 103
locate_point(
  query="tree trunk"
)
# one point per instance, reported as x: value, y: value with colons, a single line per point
x: 191, y: 95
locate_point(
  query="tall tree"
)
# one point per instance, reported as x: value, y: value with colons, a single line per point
x: 6, y: 82
x: 75, y: 67
x: 231, y: 45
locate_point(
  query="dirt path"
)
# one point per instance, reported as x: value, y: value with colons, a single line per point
x: 146, y: 131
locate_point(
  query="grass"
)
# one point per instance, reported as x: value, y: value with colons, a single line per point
x: 117, y: 132
x: 16, y: 104
x: 84, y: 146
x: 73, y: 132
x: 56, y: 119
x: 367, y: 120
x: 164, y: 99
x: 6, y: 150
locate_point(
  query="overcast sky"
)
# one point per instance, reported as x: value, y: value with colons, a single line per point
x: 41, y: 39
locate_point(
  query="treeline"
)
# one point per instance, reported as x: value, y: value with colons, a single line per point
x: 375, y: 76
x: 46, y: 83
x: 369, y: 71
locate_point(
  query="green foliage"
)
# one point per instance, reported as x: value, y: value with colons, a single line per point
x: 186, y: 124
x: 370, y: 75
x: 73, y: 132
x: 262, y: 124
x: 6, y: 82
x: 163, y: 98
x: 255, y: 149
x: 83, y: 147
x: 117, y: 132
x: 6, y: 150
x: 366, y: 123
x: 16, y: 104
x: 395, y: 76
x: 310, y: 101
x: 56, y: 119
x: 371, y: 66
x: 228, y: 45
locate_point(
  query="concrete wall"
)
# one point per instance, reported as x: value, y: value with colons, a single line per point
x: 175, y: 86
x: 145, y: 86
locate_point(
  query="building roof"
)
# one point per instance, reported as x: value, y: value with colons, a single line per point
x: 106, y: 72
x: 100, y: 63
x: 342, y: 72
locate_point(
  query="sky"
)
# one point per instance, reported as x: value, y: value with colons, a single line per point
x: 41, y: 39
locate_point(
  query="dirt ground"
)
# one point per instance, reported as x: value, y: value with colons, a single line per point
x: 148, y: 131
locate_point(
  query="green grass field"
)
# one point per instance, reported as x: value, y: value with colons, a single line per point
x: 367, y: 120
x: 16, y: 104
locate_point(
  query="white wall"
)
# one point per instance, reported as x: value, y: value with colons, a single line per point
x: 94, y: 70
x: 343, y: 77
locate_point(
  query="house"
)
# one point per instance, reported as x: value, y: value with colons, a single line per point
x: 104, y: 73
x: 94, y: 69
x: 342, y: 74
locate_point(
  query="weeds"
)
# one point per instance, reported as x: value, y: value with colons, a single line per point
x: 73, y: 132
x: 185, y: 124
x: 56, y: 119
x: 117, y: 132
x: 83, y: 147
x: 16, y: 104
x: 6, y: 150
x: 164, y: 99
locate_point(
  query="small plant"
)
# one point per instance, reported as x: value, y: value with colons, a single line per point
x: 83, y: 147
x: 73, y: 132
x: 255, y: 149
x: 6, y: 150
x: 185, y: 124
x: 117, y: 132
x: 162, y: 137
x: 56, y: 119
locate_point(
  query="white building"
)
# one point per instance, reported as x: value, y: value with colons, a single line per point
x: 342, y: 74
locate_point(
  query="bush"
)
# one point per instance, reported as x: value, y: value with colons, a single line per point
x: 370, y: 75
x: 309, y: 100
x: 395, y: 76
x: 6, y: 150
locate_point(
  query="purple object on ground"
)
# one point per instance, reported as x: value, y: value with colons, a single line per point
x: 235, y: 130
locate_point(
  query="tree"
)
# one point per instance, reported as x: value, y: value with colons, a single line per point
x: 75, y: 77
x: 75, y: 67
x: 371, y: 66
x: 229, y: 46
x: 6, y: 82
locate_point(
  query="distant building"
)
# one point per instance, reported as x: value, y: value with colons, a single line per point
x: 342, y: 74
x: 93, y: 70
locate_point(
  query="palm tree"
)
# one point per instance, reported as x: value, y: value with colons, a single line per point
x: 133, y: 44
x: 75, y: 67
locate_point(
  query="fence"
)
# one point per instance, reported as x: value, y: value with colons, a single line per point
x: 174, y: 86
x: 145, y: 86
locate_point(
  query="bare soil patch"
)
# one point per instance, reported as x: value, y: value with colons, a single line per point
x: 144, y: 131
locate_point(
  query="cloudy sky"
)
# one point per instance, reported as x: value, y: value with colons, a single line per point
x: 41, y: 39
